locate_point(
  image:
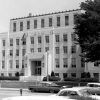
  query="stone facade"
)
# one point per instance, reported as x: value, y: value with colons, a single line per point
x: 49, y: 51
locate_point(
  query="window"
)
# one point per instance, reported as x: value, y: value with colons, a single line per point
x: 50, y: 22
x: 28, y: 24
x: 65, y: 62
x: 11, y: 42
x: 57, y: 38
x: 17, y: 63
x: 39, y: 39
x: 42, y: 23
x: 57, y: 50
x: 32, y: 50
x: 32, y: 40
x: 65, y: 75
x: 23, y: 52
x: 2, y: 74
x: 73, y: 74
x: 65, y: 37
x: 66, y: 20
x: 39, y: 49
x: 11, y: 52
x: 17, y: 52
x: 11, y: 63
x: 21, y: 26
x: 10, y: 74
x: 65, y: 49
x: 82, y: 62
x: 73, y: 37
x: 35, y: 23
x: 3, y: 53
x: 3, y: 42
x: 57, y: 74
x: 47, y: 39
x: 96, y: 75
x: 58, y: 21
x: 57, y: 63
x: 22, y: 63
x: 3, y: 64
x: 14, y: 27
x: 24, y: 41
x: 17, y: 41
x: 73, y: 62
x: 46, y: 49
x: 73, y: 49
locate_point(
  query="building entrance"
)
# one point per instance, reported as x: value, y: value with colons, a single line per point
x: 36, y: 68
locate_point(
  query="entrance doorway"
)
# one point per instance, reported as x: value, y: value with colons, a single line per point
x: 36, y: 68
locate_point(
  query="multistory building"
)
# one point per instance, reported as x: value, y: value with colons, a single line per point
x: 37, y: 45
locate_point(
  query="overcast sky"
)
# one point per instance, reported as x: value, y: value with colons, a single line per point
x: 20, y: 8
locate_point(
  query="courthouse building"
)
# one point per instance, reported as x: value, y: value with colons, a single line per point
x: 36, y: 45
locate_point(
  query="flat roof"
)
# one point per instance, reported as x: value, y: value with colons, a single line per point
x: 45, y: 14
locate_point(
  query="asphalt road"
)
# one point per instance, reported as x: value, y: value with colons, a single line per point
x: 4, y: 92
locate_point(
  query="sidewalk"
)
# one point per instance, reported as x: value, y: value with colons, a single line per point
x: 12, y: 89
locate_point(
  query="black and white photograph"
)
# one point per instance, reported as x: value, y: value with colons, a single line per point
x: 49, y: 49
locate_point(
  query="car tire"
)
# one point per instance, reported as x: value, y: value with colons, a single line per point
x: 52, y: 91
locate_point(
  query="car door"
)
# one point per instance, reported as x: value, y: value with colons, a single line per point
x: 75, y: 95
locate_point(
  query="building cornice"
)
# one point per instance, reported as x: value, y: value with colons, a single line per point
x: 30, y: 16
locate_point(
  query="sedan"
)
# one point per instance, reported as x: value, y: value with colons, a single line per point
x: 78, y: 93
x: 45, y: 87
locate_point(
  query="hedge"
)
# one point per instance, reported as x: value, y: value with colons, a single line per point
x: 52, y: 78
x: 81, y: 79
x: 8, y: 78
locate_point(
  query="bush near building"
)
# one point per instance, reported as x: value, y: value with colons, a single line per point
x: 9, y: 78
x: 52, y: 78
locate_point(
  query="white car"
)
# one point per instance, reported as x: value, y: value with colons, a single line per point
x: 94, y: 88
x: 36, y: 98
x: 78, y: 93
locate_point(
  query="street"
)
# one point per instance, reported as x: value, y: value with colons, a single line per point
x: 15, y: 92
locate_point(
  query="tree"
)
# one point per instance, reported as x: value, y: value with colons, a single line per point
x: 52, y: 73
x: 87, y: 29
x: 17, y: 74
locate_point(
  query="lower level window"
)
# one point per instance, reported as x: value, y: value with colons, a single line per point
x: 57, y: 74
x: 73, y: 74
x: 2, y: 74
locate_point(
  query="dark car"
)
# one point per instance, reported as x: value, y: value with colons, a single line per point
x: 45, y: 87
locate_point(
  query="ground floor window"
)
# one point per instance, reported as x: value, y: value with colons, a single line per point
x: 57, y: 74
x: 65, y: 75
x: 96, y: 75
x: 73, y: 74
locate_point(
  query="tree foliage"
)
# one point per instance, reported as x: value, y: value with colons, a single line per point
x: 87, y: 28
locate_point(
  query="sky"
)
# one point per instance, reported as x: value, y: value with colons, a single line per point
x: 10, y: 9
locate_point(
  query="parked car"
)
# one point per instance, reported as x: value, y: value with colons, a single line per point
x: 77, y: 93
x: 35, y: 98
x: 46, y: 87
x: 94, y: 88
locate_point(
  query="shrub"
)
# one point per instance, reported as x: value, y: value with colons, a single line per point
x: 71, y: 79
x: 81, y: 79
x: 88, y: 80
x: 8, y: 78
x: 52, y: 78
